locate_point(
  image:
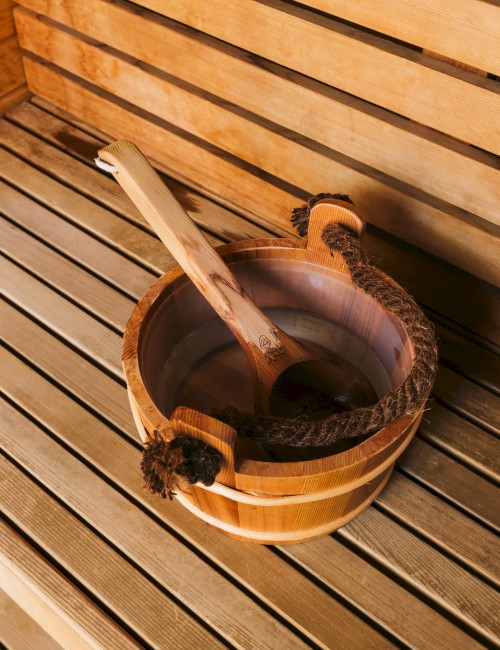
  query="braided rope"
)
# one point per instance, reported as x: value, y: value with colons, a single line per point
x: 163, y: 461
x: 407, y: 399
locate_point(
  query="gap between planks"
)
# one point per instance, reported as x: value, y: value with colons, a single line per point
x: 72, y: 418
x: 127, y: 466
x: 404, y: 267
x: 71, y: 282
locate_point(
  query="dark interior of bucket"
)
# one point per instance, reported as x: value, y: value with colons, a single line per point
x: 189, y: 357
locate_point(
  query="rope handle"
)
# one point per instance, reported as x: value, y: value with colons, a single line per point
x: 336, y: 238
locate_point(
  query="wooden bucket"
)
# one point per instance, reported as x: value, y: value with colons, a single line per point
x: 177, y: 351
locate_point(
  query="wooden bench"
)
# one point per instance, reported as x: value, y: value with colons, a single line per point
x: 247, y: 108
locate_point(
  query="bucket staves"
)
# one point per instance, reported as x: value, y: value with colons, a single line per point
x: 177, y: 352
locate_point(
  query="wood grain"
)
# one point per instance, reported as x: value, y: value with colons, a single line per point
x: 52, y: 600
x: 82, y: 248
x: 59, y: 273
x: 63, y: 317
x: 368, y: 588
x: 444, y: 505
x: 6, y: 20
x: 220, y: 545
x: 450, y: 27
x: 234, y: 185
x: 341, y: 56
x: 248, y: 140
x: 377, y: 138
x: 127, y: 471
x: 448, y: 528
x: 272, y: 580
x: 463, y: 488
x: 475, y: 307
x: 442, y: 580
x: 363, y: 65
x: 13, y: 97
x: 11, y: 71
x: 67, y: 368
x: 110, y: 578
x: 144, y: 541
x: 473, y: 402
x: 461, y: 439
x: 19, y: 631
x: 96, y: 185
x: 400, y: 212
x: 92, y: 218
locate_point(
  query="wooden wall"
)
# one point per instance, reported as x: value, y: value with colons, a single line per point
x: 263, y: 103
x: 13, y: 87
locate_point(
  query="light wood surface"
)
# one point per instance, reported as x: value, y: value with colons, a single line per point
x: 375, y: 137
x: 450, y: 27
x: 287, y: 593
x: 339, y: 591
x: 69, y: 616
x: 406, y: 177
x: 388, y: 206
x: 391, y: 76
x: 475, y: 307
x: 6, y: 19
x: 19, y: 631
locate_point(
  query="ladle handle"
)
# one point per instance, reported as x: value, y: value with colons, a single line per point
x: 187, y: 244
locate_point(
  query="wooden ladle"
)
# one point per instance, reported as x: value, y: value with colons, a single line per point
x: 289, y: 377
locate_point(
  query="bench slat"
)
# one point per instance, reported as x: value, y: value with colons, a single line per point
x: 72, y: 371
x: 379, y: 71
x: 449, y: 585
x: 19, y: 631
x: 11, y: 72
x: 436, y: 520
x: 75, y: 243
x: 93, y: 218
x: 294, y: 597
x: 474, y: 361
x: 235, y: 616
x: 90, y: 181
x: 443, y: 475
x: 65, y: 613
x: 460, y: 438
x: 65, y: 319
x: 402, y: 264
x: 127, y: 592
x: 338, y: 567
x: 466, y: 442
x: 69, y: 413
x: 468, y: 399
x: 93, y: 295
x: 267, y: 202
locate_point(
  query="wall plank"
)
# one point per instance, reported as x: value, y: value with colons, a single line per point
x: 381, y: 72
x: 395, y: 146
x: 466, y: 30
x: 384, y: 205
x: 13, y: 87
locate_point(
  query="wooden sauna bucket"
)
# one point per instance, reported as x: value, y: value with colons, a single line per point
x: 176, y: 351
